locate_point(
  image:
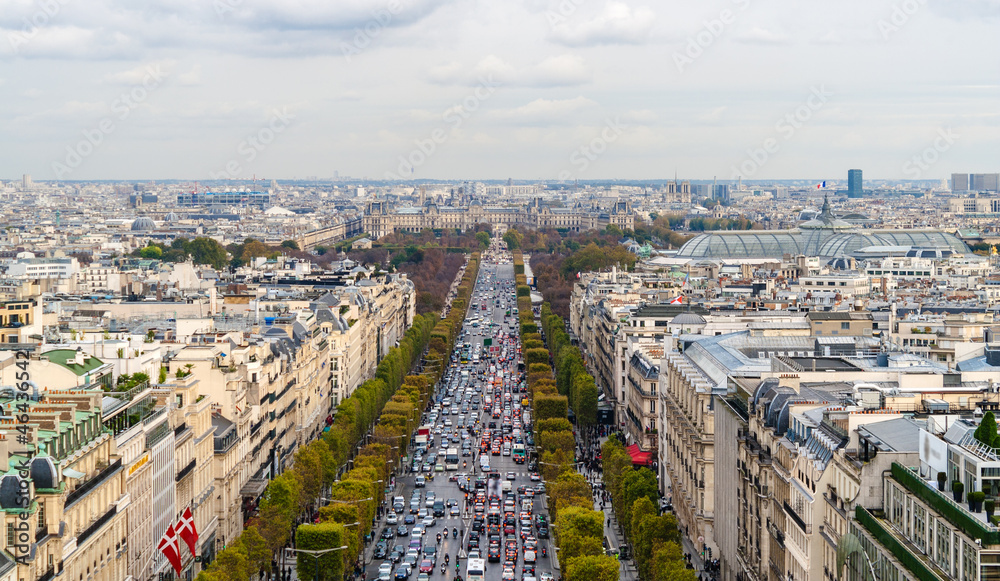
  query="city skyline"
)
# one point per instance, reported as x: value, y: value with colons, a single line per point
x: 531, y: 90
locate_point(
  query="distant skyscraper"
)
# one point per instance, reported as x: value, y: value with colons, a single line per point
x: 855, y: 189
x: 959, y: 182
x: 26, y: 181
x: 984, y: 182
x: 720, y: 192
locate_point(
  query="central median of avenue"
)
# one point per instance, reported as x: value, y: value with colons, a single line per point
x: 365, y: 443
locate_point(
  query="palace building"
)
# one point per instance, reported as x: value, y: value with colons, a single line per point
x: 382, y: 219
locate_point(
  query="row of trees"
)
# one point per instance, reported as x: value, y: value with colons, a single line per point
x: 558, y: 255
x: 447, y: 329
x: 578, y: 528
x: 430, y: 260
x: 201, y: 250
x: 313, y: 473
x: 554, y: 436
x: 655, y: 539
x: 572, y: 378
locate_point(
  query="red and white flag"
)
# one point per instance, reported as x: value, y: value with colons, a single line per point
x: 678, y: 300
x: 187, y: 531
x: 171, y: 548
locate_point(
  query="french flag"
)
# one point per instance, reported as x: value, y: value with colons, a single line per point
x: 821, y: 185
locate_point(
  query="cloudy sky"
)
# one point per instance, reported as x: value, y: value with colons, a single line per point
x: 491, y: 89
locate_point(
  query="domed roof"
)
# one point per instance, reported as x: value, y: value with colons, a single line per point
x: 143, y: 223
x: 687, y: 318
x: 43, y: 472
x: 171, y: 217
x: 10, y: 487
x: 839, y: 263
x: 826, y: 220
x: 848, y: 243
x: 741, y: 244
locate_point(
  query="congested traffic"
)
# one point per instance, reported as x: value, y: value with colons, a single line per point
x: 473, y: 505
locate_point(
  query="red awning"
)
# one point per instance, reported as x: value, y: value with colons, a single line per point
x: 638, y: 456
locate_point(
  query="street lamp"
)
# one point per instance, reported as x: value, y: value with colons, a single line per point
x: 333, y: 500
x: 467, y: 521
x: 317, y: 553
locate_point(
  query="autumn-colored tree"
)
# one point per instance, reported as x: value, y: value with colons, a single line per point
x: 231, y: 564
x: 277, y: 510
x: 556, y: 440
x: 258, y: 553
x: 569, y: 489
x: 592, y: 568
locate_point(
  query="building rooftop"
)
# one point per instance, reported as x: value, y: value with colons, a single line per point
x: 66, y: 358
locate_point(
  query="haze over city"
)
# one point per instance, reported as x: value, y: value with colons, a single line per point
x: 508, y: 290
x: 495, y: 89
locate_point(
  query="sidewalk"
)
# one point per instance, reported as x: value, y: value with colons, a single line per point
x: 627, y: 568
x: 366, y: 554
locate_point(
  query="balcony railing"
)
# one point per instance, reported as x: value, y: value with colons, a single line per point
x: 894, y: 546
x: 951, y: 510
x: 85, y: 488
x: 226, y: 442
x: 807, y: 529
x: 87, y: 532
x: 186, y: 470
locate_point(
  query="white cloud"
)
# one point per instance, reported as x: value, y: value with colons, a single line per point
x: 714, y: 115
x: 618, y: 23
x: 758, y: 35
x: 603, y: 59
x: 640, y: 116
x: 192, y: 77
x: 139, y: 74
x: 544, y: 111
x: 558, y: 71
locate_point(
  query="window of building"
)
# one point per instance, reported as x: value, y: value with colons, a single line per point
x: 919, y: 526
x: 845, y: 326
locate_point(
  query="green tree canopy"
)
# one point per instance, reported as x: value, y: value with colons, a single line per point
x: 987, y: 431
x: 207, y: 251
x: 231, y: 564
x: 513, y: 239
x: 152, y: 252
x: 592, y: 568
x: 329, y: 565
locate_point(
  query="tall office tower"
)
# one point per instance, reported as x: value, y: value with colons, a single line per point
x: 26, y: 181
x: 720, y: 192
x: 854, y: 184
x: 984, y: 182
x: 959, y: 182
